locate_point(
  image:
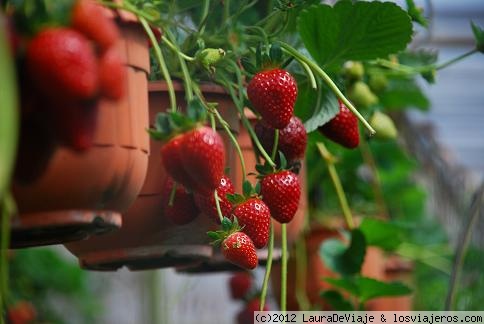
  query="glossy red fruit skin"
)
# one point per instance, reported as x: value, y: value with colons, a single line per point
x: 240, y: 284
x: 22, y: 312
x: 61, y: 63
x: 112, y: 75
x: 281, y: 192
x: 343, y: 128
x: 172, y: 162
x: 183, y: 210
x: 254, y: 217
x: 206, y: 201
x: 246, y: 315
x: 292, y: 139
x: 202, y: 153
x: 273, y: 94
x: 90, y: 19
x: 239, y: 249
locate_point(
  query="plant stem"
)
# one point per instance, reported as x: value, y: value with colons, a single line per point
x: 475, y: 211
x: 174, y: 48
x: 310, y: 74
x: 301, y: 270
x: 203, y: 18
x: 326, y: 155
x: 172, y: 194
x: 456, y: 59
x: 284, y: 268
x: 7, y: 207
x: 320, y: 72
x: 267, y: 274
x: 276, y: 143
x: 217, y: 204
x: 161, y: 62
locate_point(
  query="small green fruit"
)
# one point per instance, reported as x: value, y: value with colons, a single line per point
x: 383, y: 125
x: 354, y: 70
x: 210, y: 56
x: 361, y: 95
x: 378, y: 82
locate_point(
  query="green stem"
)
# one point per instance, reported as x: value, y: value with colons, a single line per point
x: 276, y: 143
x: 217, y: 204
x: 326, y: 155
x: 267, y: 274
x: 456, y: 59
x: 320, y: 72
x: 5, y: 214
x: 475, y: 211
x: 172, y: 194
x: 126, y: 6
x: 310, y: 74
x: 284, y: 268
x: 233, y: 140
x: 301, y: 271
x: 226, y: 10
x: 161, y: 62
x: 203, y: 18
x: 174, y: 48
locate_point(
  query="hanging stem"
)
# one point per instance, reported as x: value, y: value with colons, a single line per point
x: 284, y: 268
x: 217, y: 204
x: 7, y: 208
x: 161, y: 62
x: 320, y: 72
x: 276, y: 143
x: 203, y: 18
x: 267, y: 274
x: 326, y: 155
x: 174, y: 48
x: 475, y: 211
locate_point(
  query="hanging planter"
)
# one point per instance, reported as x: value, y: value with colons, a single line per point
x: 76, y: 194
x: 148, y: 240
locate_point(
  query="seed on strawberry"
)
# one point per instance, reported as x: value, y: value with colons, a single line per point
x: 273, y: 94
x: 206, y: 201
x: 254, y: 217
x: 90, y: 19
x: 61, y: 62
x: 240, y: 284
x: 112, y: 75
x: 172, y: 162
x: 292, y: 139
x: 202, y: 153
x: 343, y: 128
x: 281, y: 192
x: 183, y: 210
x: 239, y: 249
x: 246, y: 315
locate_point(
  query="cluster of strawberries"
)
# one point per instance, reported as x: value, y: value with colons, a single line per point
x: 241, y: 286
x: 64, y: 71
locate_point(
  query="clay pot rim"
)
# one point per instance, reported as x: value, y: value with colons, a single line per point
x: 161, y: 85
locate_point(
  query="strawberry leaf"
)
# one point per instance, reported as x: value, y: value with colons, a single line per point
x: 478, y: 36
x: 247, y: 188
x: 235, y: 198
x: 248, y: 66
x: 226, y: 224
x: 275, y: 54
x: 416, y: 13
x: 257, y: 187
x: 283, y: 161
x: 196, y: 111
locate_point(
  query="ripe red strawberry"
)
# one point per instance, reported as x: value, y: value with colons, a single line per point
x: 206, y: 201
x: 202, y: 153
x: 254, y: 217
x: 75, y: 124
x: 61, y: 61
x: 90, y: 19
x: 21, y: 312
x: 292, y: 139
x: 281, y: 192
x: 183, y: 210
x: 246, y: 315
x: 239, y: 249
x: 172, y: 162
x: 240, y: 284
x: 273, y: 94
x: 343, y: 128
x: 112, y: 75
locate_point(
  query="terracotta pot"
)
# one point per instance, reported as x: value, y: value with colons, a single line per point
x: 316, y: 270
x: 80, y: 194
x: 147, y: 240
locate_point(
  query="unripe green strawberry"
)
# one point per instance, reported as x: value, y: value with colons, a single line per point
x: 354, y: 70
x: 378, y: 82
x: 239, y: 249
x: 360, y: 94
x: 254, y: 217
x: 273, y: 94
x: 281, y: 192
x: 61, y: 63
x: 383, y: 125
x: 343, y: 128
x: 210, y: 56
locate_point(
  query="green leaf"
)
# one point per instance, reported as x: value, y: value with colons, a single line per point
x: 416, y: 13
x: 8, y: 114
x: 346, y: 260
x: 336, y: 300
x: 354, y: 31
x: 417, y: 58
x: 235, y: 198
x: 478, y: 36
x: 196, y: 111
x: 275, y: 53
x: 401, y: 94
x: 283, y: 160
x: 368, y: 288
x: 324, y: 108
x: 247, y: 188
x: 380, y: 233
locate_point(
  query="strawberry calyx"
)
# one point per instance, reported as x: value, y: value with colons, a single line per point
x: 170, y: 124
x: 267, y: 57
x: 266, y: 169
x: 229, y: 227
x: 249, y: 192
